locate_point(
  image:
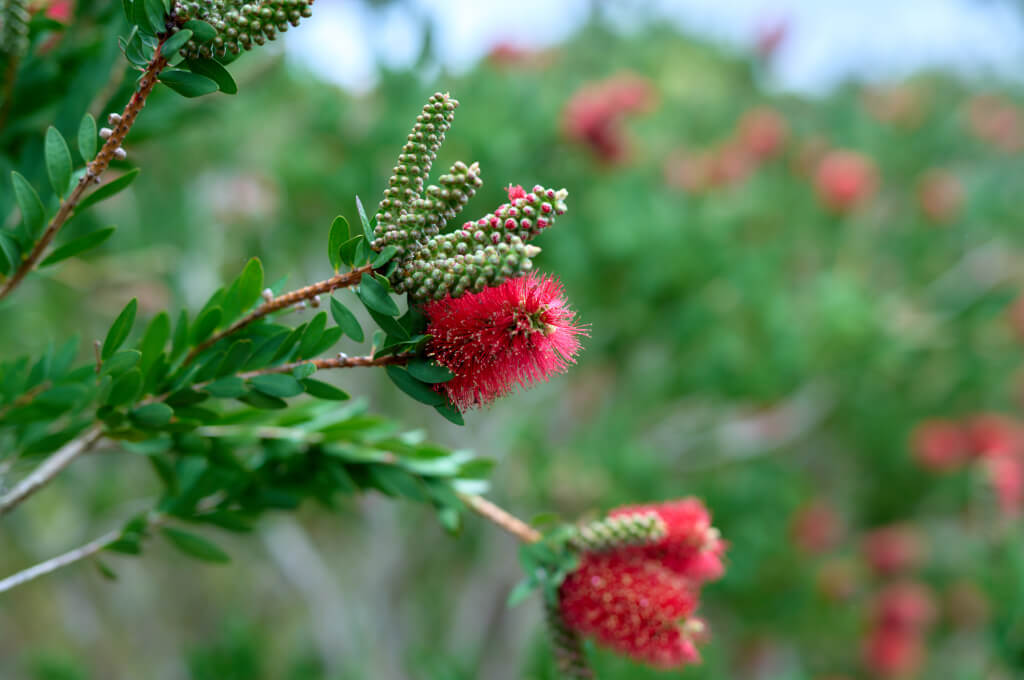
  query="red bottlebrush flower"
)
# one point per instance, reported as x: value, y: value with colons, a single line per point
x: 770, y: 37
x: 996, y: 121
x: 816, y: 527
x: 901, y: 105
x: 518, y: 332
x: 845, y: 180
x: 893, y: 549
x: 691, y: 547
x: 594, y: 114
x: 1006, y: 475
x: 992, y: 435
x: 892, y: 653
x: 939, y: 445
x: 516, y: 191
x: 729, y: 165
x: 763, y: 132
x: 633, y: 606
x: 940, y: 195
x: 905, y: 605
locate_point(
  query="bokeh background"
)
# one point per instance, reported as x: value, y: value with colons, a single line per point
x: 795, y: 232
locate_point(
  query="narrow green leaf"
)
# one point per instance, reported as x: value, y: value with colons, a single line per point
x: 376, y: 297
x: 195, y: 545
x: 367, y: 230
x: 205, y: 325
x: 235, y: 359
x: 258, y: 399
x: 10, y: 253
x: 303, y: 371
x: 32, y: 213
x: 338, y: 235
x: 215, y: 72
x: 276, y: 385
x: 121, y: 361
x: 78, y: 245
x: 154, y: 10
x: 87, y: 137
x: 311, y: 337
x: 451, y: 414
x: 419, y: 391
x: 58, y: 161
x: 227, y: 388
x: 180, y: 341
x: 153, y: 415
x: 126, y: 388
x: 322, y: 390
x: 250, y: 284
x: 175, y: 43
x: 63, y: 395
x: 188, y: 84
x: 428, y: 371
x: 327, y: 341
x: 120, y: 329
x: 107, y: 190
x: 347, y: 251
x: 153, y: 340
x: 202, y: 31
x: 385, y: 255
x: 346, y: 320
x: 389, y: 325
x: 105, y: 571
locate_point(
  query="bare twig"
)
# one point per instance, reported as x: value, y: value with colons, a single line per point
x: 507, y: 521
x: 281, y: 302
x: 92, y: 172
x: 337, y: 362
x: 55, y: 563
x: 50, y: 467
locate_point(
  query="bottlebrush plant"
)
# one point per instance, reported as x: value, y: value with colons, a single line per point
x: 205, y: 395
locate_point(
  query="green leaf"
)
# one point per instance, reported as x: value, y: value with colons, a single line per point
x: 303, y: 371
x: 10, y: 253
x: 389, y: 325
x: 32, y: 213
x: 227, y: 388
x: 322, y: 390
x: 87, y: 137
x: 367, y: 230
x: 120, y: 329
x: 58, y: 161
x: 347, y: 251
x: 329, y: 338
x: 428, y: 371
x: 107, y: 190
x: 264, y: 401
x: 194, y: 545
x: 346, y: 320
x: 237, y: 355
x: 126, y: 388
x: 214, y: 71
x: 175, y: 43
x: 311, y: 337
x: 105, y: 571
x: 522, y: 591
x: 154, y: 15
x: 63, y: 395
x: 276, y: 385
x: 121, y: 361
x: 375, y: 296
x: 386, y: 253
x: 180, y: 341
x: 205, y: 324
x: 202, y: 31
x: 250, y: 284
x: 419, y: 391
x: 78, y: 245
x: 153, y: 340
x: 396, y: 482
x: 337, y: 236
x: 188, y: 84
x: 153, y: 415
x: 450, y: 413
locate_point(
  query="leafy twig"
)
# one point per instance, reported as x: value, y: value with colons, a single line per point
x: 507, y: 521
x: 93, y: 170
x: 281, y: 302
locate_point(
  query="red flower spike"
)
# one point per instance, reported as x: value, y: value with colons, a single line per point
x: 940, y: 445
x: 519, y: 332
x: 515, y: 192
x: 893, y: 549
x: 691, y: 547
x: 634, y: 607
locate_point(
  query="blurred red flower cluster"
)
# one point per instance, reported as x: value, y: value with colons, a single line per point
x: 594, y: 116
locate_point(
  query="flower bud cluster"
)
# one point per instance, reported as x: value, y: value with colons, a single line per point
x: 241, y: 25
x: 405, y: 217
x: 611, y: 533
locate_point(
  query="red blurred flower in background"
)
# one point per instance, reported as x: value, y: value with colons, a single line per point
x: 594, y: 115
x: 845, y: 180
x: 940, y: 195
x: 940, y: 445
x: 893, y: 549
x: 763, y: 132
x: 816, y: 527
x: 519, y: 332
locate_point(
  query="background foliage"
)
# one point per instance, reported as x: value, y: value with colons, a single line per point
x: 747, y: 345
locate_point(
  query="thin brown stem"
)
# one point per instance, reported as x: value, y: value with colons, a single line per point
x: 50, y: 468
x: 93, y: 171
x: 281, y: 302
x: 507, y: 521
x: 337, y: 362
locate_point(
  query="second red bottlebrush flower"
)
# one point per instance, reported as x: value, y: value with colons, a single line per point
x: 518, y: 332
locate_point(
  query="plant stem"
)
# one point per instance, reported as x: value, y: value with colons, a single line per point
x: 281, y: 302
x: 92, y: 172
x: 337, y: 362
x: 507, y: 521
x: 50, y: 467
x: 55, y: 563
